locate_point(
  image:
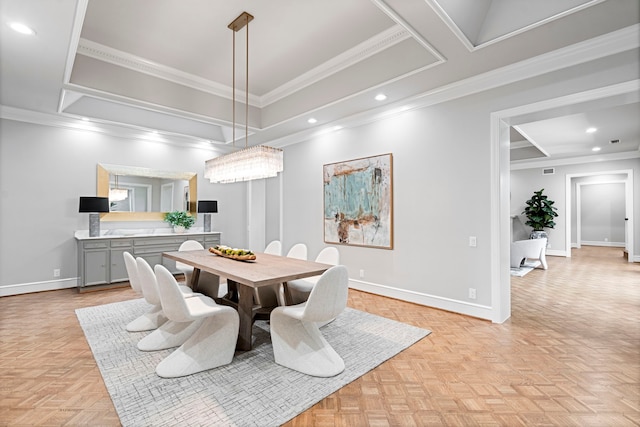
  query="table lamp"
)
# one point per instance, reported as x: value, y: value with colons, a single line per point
x: 207, y: 207
x: 94, y: 206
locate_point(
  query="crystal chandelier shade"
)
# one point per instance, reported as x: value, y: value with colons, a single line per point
x: 256, y: 162
x: 117, y: 194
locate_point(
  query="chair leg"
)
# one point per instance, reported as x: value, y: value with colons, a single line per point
x: 152, y: 319
x: 212, y: 345
x: 170, y: 334
x: 300, y: 346
x: 543, y: 261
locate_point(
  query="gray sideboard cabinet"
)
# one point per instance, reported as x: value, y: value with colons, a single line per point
x: 100, y: 259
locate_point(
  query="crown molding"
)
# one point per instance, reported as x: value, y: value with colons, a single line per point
x: 102, y: 127
x: 532, y: 164
x: 471, y: 47
x: 119, y: 58
x: 364, y: 50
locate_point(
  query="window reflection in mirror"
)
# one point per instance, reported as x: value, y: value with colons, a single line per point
x: 150, y: 192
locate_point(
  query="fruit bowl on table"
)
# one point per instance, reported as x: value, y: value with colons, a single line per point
x: 233, y: 253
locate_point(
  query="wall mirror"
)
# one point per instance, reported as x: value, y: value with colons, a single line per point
x: 146, y: 193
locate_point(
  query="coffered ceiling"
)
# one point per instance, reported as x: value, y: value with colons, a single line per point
x: 166, y: 65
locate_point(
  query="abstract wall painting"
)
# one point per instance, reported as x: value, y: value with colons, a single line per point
x: 358, y: 202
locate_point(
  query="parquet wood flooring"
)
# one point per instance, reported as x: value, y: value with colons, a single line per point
x: 569, y: 356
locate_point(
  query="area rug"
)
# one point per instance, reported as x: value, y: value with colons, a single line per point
x: 252, y: 391
x: 527, y: 267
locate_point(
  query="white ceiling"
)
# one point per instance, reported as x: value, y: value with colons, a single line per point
x: 167, y: 65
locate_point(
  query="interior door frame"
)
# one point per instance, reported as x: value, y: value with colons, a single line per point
x: 628, y: 200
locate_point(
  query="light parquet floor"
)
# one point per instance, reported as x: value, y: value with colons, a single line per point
x: 569, y: 356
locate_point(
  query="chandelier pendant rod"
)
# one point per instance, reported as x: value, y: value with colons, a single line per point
x: 233, y: 102
x: 246, y: 92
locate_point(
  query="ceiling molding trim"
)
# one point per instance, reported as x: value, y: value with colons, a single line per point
x: 530, y: 164
x: 531, y: 140
x: 450, y: 23
x: 364, y: 50
x: 78, y: 19
x: 119, y: 58
x: 471, y: 47
x: 119, y: 130
x: 131, y: 102
x: 616, y: 42
x: 384, y: 7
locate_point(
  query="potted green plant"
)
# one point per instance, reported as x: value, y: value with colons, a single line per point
x: 540, y: 213
x: 180, y: 220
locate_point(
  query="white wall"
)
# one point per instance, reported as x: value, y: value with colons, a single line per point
x: 525, y: 181
x: 443, y: 190
x: 43, y: 171
x: 602, y: 214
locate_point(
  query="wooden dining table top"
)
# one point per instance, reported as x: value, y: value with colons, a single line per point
x: 266, y: 269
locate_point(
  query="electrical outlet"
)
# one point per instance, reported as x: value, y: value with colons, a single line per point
x: 362, y: 274
x: 472, y: 293
x: 472, y: 241
x: 56, y: 272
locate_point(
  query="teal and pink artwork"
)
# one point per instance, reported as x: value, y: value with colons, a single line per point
x: 358, y: 202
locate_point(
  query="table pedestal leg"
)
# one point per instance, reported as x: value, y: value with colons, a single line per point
x: 245, y: 312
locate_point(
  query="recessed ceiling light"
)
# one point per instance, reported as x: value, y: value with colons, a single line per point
x: 21, y: 28
x: 312, y: 120
x: 596, y: 149
x: 381, y: 97
x: 591, y: 130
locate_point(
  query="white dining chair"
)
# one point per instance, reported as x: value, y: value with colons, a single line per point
x: 297, y: 341
x: 187, y: 270
x: 298, y: 251
x: 300, y: 289
x: 208, y: 284
x: 154, y: 316
x: 267, y: 296
x: 169, y: 334
x: 212, y: 345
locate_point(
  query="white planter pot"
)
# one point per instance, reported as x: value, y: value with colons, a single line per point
x: 179, y: 229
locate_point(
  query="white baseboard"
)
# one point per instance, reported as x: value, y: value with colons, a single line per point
x: 25, y: 288
x: 556, y: 252
x: 609, y: 244
x: 462, y: 307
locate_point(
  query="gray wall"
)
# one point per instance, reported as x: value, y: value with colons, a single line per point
x: 442, y: 191
x: 525, y: 181
x: 602, y: 214
x: 43, y: 171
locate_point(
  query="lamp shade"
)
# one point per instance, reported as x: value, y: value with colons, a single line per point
x: 207, y: 206
x: 94, y: 204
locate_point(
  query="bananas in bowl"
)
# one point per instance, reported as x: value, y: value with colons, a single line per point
x: 233, y: 253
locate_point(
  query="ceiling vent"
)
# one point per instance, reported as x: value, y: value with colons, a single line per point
x: 548, y: 171
x: 614, y: 141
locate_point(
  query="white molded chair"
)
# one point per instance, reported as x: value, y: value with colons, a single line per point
x: 535, y: 249
x: 208, y: 283
x: 152, y: 318
x: 300, y: 289
x: 213, y: 344
x: 299, y: 251
x: 187, y: 270
x: 267, y: 296
x: 297, y: 341
x: 169, y: 334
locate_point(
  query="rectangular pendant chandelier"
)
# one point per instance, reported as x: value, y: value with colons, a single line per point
x: 255, y: 162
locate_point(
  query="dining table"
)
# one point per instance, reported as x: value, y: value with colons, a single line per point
x: 242, y: 279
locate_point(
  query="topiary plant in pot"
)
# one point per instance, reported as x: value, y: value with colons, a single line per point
x: 180, y: 220
x: 540, y: 213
